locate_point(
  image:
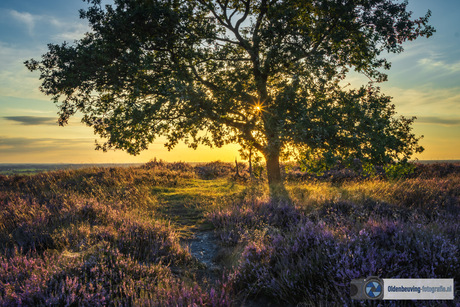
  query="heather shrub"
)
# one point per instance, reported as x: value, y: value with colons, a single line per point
x: 434, y: 197
x: 155, y: 164
x: 98, y: 236
x: 149, y: 242
x: 358, y: 171
x: 102, y: 277
x: 3, y: 178
x: 22, y: 222
x: 338, y: 171
x: 307, y: 263
x: 81, y: 223
x: 397, y: 250
x: 213, y: 170
x: 353, y: 214
x: 290, y: 266
x: 298, y: 256
x: 236, y: 223
x: 105, y: 276
x: 180, y: 294
x: 435, y: 170
x: 334, y: 175
x: 296, y: 175
x: 61, y: 218
x: 142, y: 241
x: 98, y: 182
x: 181, y: 168
x: 233, y: 223
x: 23, y: 277
x: 92, y: 237
x: 29, y: 224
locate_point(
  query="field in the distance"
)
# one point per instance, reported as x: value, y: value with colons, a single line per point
x: 179, y: 235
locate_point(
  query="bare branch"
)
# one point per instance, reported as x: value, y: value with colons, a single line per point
x: 245, y: 15
x: 227, y: 40
x: 224, y: 59
x: 233, y: 14
x: 214, y: 12
x: 225, y: 21
x: 263, y: 11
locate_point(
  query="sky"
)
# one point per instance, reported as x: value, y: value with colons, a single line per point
x: 424, y: 81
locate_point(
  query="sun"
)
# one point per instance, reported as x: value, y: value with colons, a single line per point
x: 258, y: 107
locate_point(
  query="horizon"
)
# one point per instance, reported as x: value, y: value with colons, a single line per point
x: 189, y: 162
x: 423, y: 81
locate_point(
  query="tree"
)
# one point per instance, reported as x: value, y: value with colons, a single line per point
x: 260, y: 72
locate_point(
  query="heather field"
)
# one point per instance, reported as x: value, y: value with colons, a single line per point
x: 173, y: 234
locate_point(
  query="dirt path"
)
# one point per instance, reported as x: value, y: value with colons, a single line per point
x: 204, y: 246
x: 185, y: 208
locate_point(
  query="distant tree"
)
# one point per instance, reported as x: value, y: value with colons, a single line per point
x: 259, y: 72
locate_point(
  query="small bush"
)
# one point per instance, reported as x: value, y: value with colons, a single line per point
x: 213, y: 170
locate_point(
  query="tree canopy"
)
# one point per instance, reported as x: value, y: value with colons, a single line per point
x: 264, y: 73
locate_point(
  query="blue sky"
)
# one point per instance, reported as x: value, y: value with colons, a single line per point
x: 424, y: 81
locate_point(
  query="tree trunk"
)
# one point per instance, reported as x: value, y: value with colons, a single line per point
x: 273, y: 168
x: 236, y: 168
x: 251, y: 175
x: 278, y: 193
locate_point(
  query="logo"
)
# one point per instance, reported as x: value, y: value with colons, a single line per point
x: 373, y: 289
x: 370, y: 288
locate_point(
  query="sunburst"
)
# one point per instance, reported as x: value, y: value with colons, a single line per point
x: 259, y: 108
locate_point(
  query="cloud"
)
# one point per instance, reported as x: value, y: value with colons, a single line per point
x: 427, y: 101
x: 27, y: 111
x: 67, y: 30
x: 28, y: 145
x: 444, y: 121
x: 15, y: 79
x: 431, y: 64
x: 26, y: 18
x: 32, y: 120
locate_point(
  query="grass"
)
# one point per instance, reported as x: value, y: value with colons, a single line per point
x: 185, y: 206
x: 118, y: 236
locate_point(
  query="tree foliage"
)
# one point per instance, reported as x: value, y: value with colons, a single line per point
x: 265, y: 73
x: 345, y: 126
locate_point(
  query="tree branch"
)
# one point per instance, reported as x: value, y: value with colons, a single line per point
x: 224, y: 59
x: 263, y: 11
x: 245, y: 97
x: 227, y: 40
x: 245, y: 130
x: 245, y: 15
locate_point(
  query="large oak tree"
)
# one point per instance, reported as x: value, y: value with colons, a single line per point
x: 264, y: 73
